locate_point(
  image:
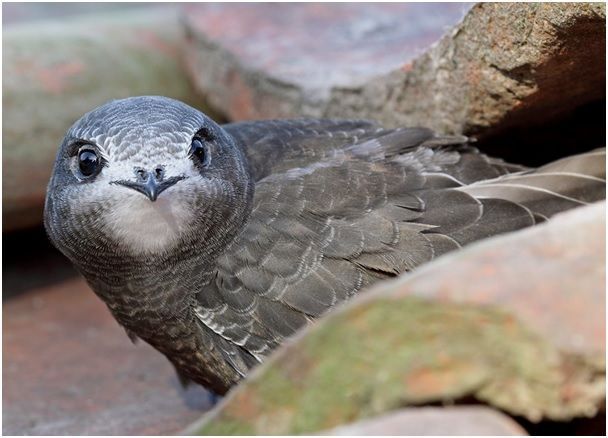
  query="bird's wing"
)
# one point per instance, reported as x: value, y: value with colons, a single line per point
x: 273, y: 146
x: 320, y: 233
x: 558, y: 186
x: 323, y: 229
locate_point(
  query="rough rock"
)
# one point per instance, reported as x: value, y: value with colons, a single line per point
x: 504, y: 65
x: 54, y: 72
x: 20, y: 12
x: 69, y: 369
x: 282, y: 60
x: 553, y: 277
x: 451, y: 421
x: 456, y: 329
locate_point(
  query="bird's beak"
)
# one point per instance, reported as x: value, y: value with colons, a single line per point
x: 151, y: 187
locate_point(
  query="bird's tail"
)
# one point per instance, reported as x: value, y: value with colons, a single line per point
x: 558, y: 186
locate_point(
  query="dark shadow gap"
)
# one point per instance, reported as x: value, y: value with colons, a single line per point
x: 31, y: 261
x: 575, y: 427
x: 579, y: 130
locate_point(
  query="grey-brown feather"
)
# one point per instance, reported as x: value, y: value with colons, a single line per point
x: 342, y: 204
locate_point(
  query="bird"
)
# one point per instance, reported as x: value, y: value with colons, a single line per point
x: 217, y: 243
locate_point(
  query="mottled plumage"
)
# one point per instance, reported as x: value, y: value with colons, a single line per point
x: 286, y: 220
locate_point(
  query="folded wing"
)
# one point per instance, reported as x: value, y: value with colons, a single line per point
x: 332, y: 217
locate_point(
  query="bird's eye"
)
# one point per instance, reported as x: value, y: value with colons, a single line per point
x: 88, y: 162
x: 200, y: 151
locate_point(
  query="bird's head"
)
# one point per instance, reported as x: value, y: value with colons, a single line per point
x: 143, y: 175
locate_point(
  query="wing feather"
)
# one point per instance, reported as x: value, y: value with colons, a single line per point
x: 341, y: 204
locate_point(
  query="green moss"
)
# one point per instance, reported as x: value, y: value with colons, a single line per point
x: 227, y: 427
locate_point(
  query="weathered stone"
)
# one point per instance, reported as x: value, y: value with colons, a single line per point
x: 553, y: 277
x: 69, y: 369
x: 457, y: 328
x: 504, y: 65
x: 281, y: 60
x: 54, y: 72
x: 19, y: 12
x: 452, y: 421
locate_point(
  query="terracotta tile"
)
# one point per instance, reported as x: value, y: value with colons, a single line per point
x: 68, y: 368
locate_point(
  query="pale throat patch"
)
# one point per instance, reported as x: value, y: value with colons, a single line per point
x: 144, y: 226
